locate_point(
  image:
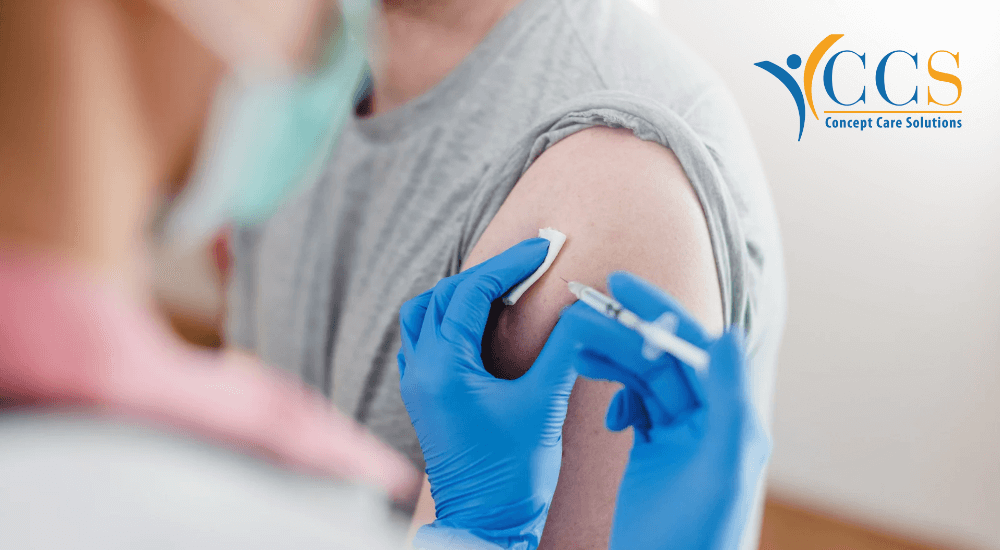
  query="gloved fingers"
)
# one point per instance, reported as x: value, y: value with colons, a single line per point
x: 411, y: 318
x: 401, y: 361
x: 469, y: 309
x: 627, y: 409
x: 660, y: 395
x: 606, y: 350
x: 731, y: 402
x: 726, y: 379
x: 619, y: 415
x: 649, y: 302
x: 441, y: 296
x: 590, y: 332
x: 528, y: 246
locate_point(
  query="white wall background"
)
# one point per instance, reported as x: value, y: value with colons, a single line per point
x: 888, y: 397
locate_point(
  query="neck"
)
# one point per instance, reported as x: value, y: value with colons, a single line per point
x: 76, y: 161
x: 423, y: 40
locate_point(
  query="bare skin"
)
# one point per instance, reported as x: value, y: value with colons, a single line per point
x: 102, y: 100
x: 418, y: 42
x: 624, y: 204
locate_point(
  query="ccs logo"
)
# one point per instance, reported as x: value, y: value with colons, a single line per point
x: 804, y: 95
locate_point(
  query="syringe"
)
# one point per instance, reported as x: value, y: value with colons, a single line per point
x: 654, y: 333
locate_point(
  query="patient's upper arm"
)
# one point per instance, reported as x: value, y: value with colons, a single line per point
x: 624, y: 204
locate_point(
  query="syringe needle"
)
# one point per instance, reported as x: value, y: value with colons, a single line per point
x: 656, y: 336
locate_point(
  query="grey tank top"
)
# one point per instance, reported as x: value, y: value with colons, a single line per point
x: 406, y: 195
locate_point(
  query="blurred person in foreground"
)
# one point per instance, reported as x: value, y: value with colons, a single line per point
x: 485, y: 121
x: 103, y: 108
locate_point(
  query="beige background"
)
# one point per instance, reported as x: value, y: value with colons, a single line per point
x: 888, y: 398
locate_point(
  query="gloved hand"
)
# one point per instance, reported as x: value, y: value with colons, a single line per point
x: 700, y: 447
x: 493, y: 447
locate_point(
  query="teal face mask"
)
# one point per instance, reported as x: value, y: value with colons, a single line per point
x: 266, y: 137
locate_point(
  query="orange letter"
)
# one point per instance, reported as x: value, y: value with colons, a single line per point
x: 943, y: 77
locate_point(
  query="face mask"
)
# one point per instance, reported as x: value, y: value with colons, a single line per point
x: 268, y: 135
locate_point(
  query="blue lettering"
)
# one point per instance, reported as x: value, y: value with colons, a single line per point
x: 828, y: 78
x: 880, y: 79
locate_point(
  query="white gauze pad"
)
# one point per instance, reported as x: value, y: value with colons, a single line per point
x: 556, y: 242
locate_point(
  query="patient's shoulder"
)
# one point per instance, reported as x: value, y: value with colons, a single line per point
x: 624, y: 204
x: 612, y: 178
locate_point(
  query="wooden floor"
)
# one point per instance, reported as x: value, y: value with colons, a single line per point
x: 789, y: 527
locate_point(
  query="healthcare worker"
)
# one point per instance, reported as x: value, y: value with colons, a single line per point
x: 117, y: 435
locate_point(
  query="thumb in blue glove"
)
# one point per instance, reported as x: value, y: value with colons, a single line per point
x: 493, y: 447
x: 700, y: 447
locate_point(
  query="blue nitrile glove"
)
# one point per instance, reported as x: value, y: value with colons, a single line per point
x: 700, y: 447
x: 493, y: 447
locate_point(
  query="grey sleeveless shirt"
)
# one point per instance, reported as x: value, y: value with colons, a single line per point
x: 406, y: 195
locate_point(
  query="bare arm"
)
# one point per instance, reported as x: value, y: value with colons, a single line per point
x: 624, y: 204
